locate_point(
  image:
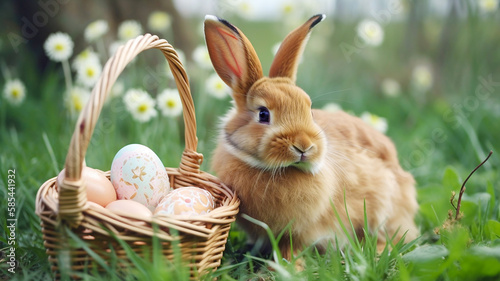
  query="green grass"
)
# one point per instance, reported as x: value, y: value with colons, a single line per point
x: 441, y: 136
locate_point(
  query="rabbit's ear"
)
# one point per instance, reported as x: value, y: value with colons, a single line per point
x: 287, y: 58
x: 232, y: 55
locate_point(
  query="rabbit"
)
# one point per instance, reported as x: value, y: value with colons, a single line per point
x: 291, y: 165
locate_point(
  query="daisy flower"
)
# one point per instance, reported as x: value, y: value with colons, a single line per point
x: 169, y: 103
x: 246, y: 9
x: 159, y: 21
x: 88, y: 73
x: 390, y: 87
x: 58, y: 46
x: 332, y: 107
x: 113, y: 47
x: 289, y: 7
x: 422, y: 77
x: 370, y: 32
x: 14, y: 92
x: 76, y: 100
x: 85, y: 56
x: 488, y: 6
x: 117, y: 89
x: 216, y: 87
x: 201, y: 57
x: 140, y: 104
x: 129, y: 29
x: 377, y: 122
x: 95, y: 30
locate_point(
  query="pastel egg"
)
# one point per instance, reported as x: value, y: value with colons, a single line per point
x: 127, y: 207
x: 186, y: 201
x: 95, y: 206
x: 137, y: 173
x: 99, y: 188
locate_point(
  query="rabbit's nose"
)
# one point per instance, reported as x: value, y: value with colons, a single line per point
x: 302, y: 143
x: 301, y: 149
x: 302, y: 152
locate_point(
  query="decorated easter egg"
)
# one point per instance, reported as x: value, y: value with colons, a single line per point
x: 99, y: 188
x: 138, y: 174
x: 187, y: 201
x: 129, y: 207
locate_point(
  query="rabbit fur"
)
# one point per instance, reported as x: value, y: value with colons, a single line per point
x: 291, y: 165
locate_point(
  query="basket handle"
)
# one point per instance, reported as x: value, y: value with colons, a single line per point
x: 72, y: 194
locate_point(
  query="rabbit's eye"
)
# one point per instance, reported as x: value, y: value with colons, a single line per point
x: 264, y: 115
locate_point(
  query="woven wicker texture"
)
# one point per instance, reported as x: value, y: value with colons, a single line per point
x: 63, y: 205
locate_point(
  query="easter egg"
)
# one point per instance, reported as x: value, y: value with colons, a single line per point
x: 129, y: 207
x: 95, y: 206
x: 138, y: 174
x: 99, y: 188
x: 186, y: 201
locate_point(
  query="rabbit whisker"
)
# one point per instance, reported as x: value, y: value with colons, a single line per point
x: 328, y: 94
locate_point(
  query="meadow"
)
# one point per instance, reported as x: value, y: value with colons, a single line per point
x: 434, y: 90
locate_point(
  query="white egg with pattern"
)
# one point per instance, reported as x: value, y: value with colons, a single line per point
x: 186, y: 201
x: 138, y: 174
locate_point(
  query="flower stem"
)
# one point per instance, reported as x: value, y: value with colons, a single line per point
x: 3, y: 114
x: 462, y: 189
x: 5, y: 71
x: 67, y: 75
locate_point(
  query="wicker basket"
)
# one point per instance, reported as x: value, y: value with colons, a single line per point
x: 63, y: 205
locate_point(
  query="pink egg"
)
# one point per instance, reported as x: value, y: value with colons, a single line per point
x: 129, y: 207
x: 186, y: 201
x: 137, y: 173
x: 99, y: 188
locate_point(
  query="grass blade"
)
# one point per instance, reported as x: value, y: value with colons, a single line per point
x: 51, y: 153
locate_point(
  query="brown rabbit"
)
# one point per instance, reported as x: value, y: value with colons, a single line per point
x: 289, y: 163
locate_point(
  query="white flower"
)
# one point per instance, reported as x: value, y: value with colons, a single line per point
x: 246, y: 9
x: 289, y: 8
x: 370, y: 32
x: 14, y: 91
x: 113, y: 47
x: 58, y: 46
x: 377, y: 122
x: 201, y: 57
x: 140, y: 104
x: 169, y: 103
x: 88, y: 73
x: 117, y: 89
x: 85, y: 56
x: 332, y: 107
x: 422, y: 77
x: 129, y: 29
x: 95, y: 30
x: 390, y: 87
x: 488, y: 6
x: 76, y: 100
x: 216, y: 87
x: 159, y: 21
